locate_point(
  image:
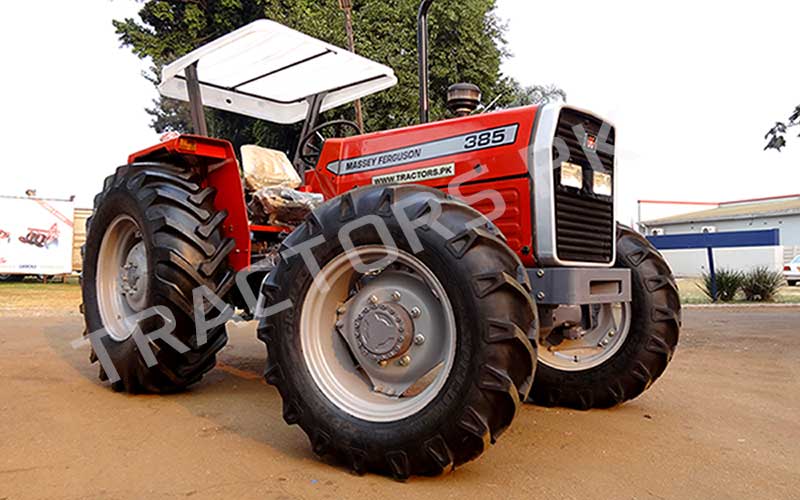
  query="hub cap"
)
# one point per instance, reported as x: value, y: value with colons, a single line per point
x: 379, y: 345
x: 570, y: 347
x: 383, y: 331
x: 121, y: 277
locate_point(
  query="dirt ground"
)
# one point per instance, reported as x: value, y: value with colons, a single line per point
x: 722, y: 423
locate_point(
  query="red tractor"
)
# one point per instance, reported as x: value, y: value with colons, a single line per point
x: 455, y: 270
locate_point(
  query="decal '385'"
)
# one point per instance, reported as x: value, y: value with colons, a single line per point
x: 473, y: 141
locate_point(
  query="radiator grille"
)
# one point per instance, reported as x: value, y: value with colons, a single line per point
x: 584, y: 220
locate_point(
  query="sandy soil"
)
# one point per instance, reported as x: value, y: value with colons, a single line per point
x: 722, y: 423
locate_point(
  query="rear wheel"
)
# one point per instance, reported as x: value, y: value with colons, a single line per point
x: 624, y: 348
x: 407, y: 362
x: 155, y: 236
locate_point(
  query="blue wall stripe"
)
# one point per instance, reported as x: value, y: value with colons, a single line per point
x: 727, y: 239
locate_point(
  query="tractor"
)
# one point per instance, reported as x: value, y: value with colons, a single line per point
x: 454, y: 271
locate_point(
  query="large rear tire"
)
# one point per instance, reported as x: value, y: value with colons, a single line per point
x: 155, y: 236
x: 337, y: 378
x: 652, y: 323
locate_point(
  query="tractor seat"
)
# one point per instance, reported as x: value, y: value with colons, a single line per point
x: 267, y: 168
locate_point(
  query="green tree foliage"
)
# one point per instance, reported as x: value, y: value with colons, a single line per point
x: 467, y: 44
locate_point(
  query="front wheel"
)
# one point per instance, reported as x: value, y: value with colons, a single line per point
x: 393, y: 358
x: 610, y: 353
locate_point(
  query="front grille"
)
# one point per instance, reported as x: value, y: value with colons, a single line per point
x: 584, y: 220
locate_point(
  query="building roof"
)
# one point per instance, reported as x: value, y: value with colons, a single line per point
x: 735, y: 210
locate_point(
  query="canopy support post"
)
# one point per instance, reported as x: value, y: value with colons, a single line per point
x: 312, y: 116
x: 196, y: 101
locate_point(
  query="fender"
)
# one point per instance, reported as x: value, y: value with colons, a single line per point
x: 217, y: 162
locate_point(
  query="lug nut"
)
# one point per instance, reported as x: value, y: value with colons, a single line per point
x: 415, y: 312
x: 405, y: 360
x: 611, y: 333
x: 339, y: 324
x: 604, y: 342
x: 373, y: 299
x: 382, y: 363
x: 419, y: 339
x: 395, y: 296
x: 341, y: 310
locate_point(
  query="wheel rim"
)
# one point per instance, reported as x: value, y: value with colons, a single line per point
x: 572, y: 348
x: 121, y: 279
x: 379, y: 341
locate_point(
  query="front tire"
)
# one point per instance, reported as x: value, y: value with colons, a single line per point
x: 155, y: 236
x: 359, y: 414
x: 651, y: 335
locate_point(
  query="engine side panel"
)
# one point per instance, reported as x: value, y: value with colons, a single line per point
x: 468, y: 157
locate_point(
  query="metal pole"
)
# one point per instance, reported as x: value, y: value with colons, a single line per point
x: 422, y: 54
x: 346, y: 6
x: 195, y: 101
x: 712, y: 272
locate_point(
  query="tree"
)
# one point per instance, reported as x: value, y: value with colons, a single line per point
x: 776, y: 136
x: 467, y: 44
x: 537, y: 94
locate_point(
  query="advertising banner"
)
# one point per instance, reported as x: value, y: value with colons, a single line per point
x: 35, y: 236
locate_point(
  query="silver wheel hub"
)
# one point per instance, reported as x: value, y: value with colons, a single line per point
x: 121, y: 277
x: 382, y: 350
x: 572, y: 347
x: 133, y: 277
x: 383, y: 331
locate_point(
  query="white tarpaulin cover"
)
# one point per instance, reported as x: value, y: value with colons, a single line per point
x: 35, y: 236
x: 267, y: 71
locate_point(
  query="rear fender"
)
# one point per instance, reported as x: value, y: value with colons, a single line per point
x: 216, y: 161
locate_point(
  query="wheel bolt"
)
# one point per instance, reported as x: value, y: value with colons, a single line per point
x: 339, y: 324
x: 382, y: 363
x: 405, y: 360
x: 419, y: 339
x: 395, y: 296
x: 604, y: 342
x: 341, y: 310
x: 415, y: 312
x: 612, y: 333
x: 373, y: 299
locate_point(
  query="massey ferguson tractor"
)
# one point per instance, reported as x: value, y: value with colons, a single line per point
x: 454, y: 271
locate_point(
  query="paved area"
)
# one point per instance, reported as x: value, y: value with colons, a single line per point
x: 722, y: 423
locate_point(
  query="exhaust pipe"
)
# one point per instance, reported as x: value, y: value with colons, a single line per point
x: 422, y: 54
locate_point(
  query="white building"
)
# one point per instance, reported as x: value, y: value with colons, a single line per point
x: 782, y: 213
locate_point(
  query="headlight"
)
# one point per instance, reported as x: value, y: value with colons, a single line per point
x: 571, y: 175
x: 602, y: 184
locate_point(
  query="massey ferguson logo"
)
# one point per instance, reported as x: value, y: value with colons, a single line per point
x: 590, y: 142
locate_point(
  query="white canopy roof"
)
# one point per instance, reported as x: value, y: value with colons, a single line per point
x: 266, y: 70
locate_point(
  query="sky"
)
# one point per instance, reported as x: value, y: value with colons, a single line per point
x: 692, y: 86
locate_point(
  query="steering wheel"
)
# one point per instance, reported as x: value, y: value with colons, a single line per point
x: 311, y: 144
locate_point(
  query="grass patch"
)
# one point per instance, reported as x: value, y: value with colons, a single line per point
x: 691, y: 293
x: 36, y: 298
